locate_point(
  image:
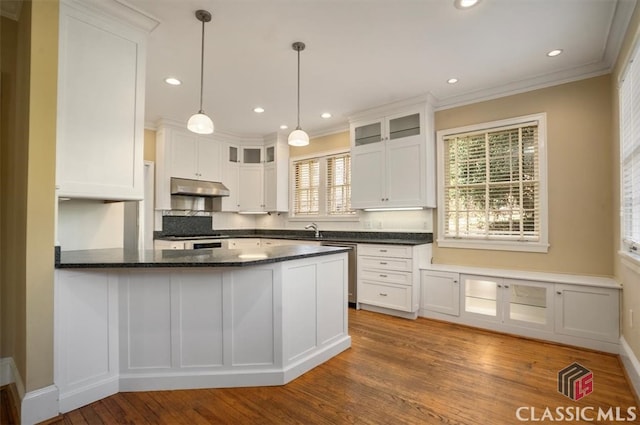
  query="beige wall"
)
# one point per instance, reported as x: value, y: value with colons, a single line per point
x: 319, y: 145
x: 27, y: 210
x: 579, y: 177
x: 13, y: 179
x: 626, y: 275
x: 41, y: 193
x: 149, y: 145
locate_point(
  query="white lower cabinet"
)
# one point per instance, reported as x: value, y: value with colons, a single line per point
x: 440, y: 293
x: 508, y: 301
x: 584, y: 314
x: 588, y: 312
x: 389, y: 278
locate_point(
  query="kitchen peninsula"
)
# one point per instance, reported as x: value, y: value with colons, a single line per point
x: 167, y: 319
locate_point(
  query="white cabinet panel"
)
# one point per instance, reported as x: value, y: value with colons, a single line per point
x: 99, y: 146
x: 300, y: 316
x: 367, y: 176
x: 252, y: 317
x: 85, y: 336
x: 331, y: 294
x: 388, y: 296
x: 251, y: 190
x: 588, y: 312
x: 149, y: 321
x: 200, y: 320
x: 184, y: 154
x: 405, y: 179
x: 441, y: 292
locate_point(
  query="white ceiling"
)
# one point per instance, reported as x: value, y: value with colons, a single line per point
x: 365, y: 53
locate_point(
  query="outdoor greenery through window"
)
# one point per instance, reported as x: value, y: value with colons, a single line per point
x: 492, y: 186
x: 630, y: 155
x: 322, y: 186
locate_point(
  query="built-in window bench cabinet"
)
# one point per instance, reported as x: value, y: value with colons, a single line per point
x: 577, y: 310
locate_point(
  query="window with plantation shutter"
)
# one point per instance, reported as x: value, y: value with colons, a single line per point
x: 492, y: 186
x: 629, y: 95
x: 339, y: 185
x: 321, y: 187
x: 306, y: 187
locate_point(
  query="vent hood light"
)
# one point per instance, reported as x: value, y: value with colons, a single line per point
x: 252, y: 212
x: 190, y: 187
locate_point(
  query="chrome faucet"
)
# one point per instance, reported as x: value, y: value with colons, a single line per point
x: 313, y: 226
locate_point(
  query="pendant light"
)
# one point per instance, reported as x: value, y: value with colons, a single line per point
x: 200, y: 123
x: 298, y: 137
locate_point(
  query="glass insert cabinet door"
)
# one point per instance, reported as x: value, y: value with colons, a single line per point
x: 481, y: 296
x: 515, y: 302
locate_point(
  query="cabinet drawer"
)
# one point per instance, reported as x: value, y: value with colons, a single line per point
x: 399, y: 278
x: 402, y: 264
x: 396, y: 251
x: 388, y: 296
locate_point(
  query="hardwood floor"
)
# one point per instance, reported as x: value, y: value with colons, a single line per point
x: 397, y: 372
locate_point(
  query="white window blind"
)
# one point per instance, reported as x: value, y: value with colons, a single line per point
x: 339, y: 185
x: 630, y: 154
x: 492, y: 186
x: 306, y: 187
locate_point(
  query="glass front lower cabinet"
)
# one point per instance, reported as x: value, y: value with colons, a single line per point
x: 509, y: 301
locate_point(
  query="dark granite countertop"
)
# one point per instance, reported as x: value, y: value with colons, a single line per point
x: 394, y: 238
x: 219, y: 257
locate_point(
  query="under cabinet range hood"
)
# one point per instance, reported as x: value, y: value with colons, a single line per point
x: 197, y: 195
x: 188, y: 187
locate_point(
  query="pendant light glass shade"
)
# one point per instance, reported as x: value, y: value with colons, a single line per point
x: 298, y: 137
x: 200, y: 123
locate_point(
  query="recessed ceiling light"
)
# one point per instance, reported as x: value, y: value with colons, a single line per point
x: 172, y: 81
x: 284, y: 127
x: 258, y: 110
x: 326, y: 115
x: 555, y: 52
x: 465, y: 4
x: 452, y: 80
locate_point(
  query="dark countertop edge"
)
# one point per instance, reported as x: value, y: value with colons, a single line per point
x: 217, y: 264
x: 394, y: 238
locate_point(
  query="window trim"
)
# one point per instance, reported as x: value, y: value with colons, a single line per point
x: 629, y: 250
x: 542, y: 245
x: 322, y: 216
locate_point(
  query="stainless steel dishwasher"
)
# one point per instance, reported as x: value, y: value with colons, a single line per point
x: 353, y: 268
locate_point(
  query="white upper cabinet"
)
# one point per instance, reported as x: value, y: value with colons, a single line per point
x: 259, y: 175
x: 193, y: 156
x: 393, y: 158
x: 181, y: 153
x: 101, y: 71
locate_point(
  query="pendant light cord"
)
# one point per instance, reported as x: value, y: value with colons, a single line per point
x: 298, y: 127
x: 201, y: 67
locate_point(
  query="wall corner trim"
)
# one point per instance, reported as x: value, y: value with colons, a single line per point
x: 631, y: 365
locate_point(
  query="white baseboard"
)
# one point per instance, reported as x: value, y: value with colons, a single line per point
x: 631, y: 365
x: 390, y: 312
x: 39, y: 405
x: 71, y: 400
x: 35, y: 406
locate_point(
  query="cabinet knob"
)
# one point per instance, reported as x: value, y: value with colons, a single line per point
x: 506, y: 286
x: 382, y: 199
x: 559, y: 292
x: 382, y: 294
x: 499, y: 286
